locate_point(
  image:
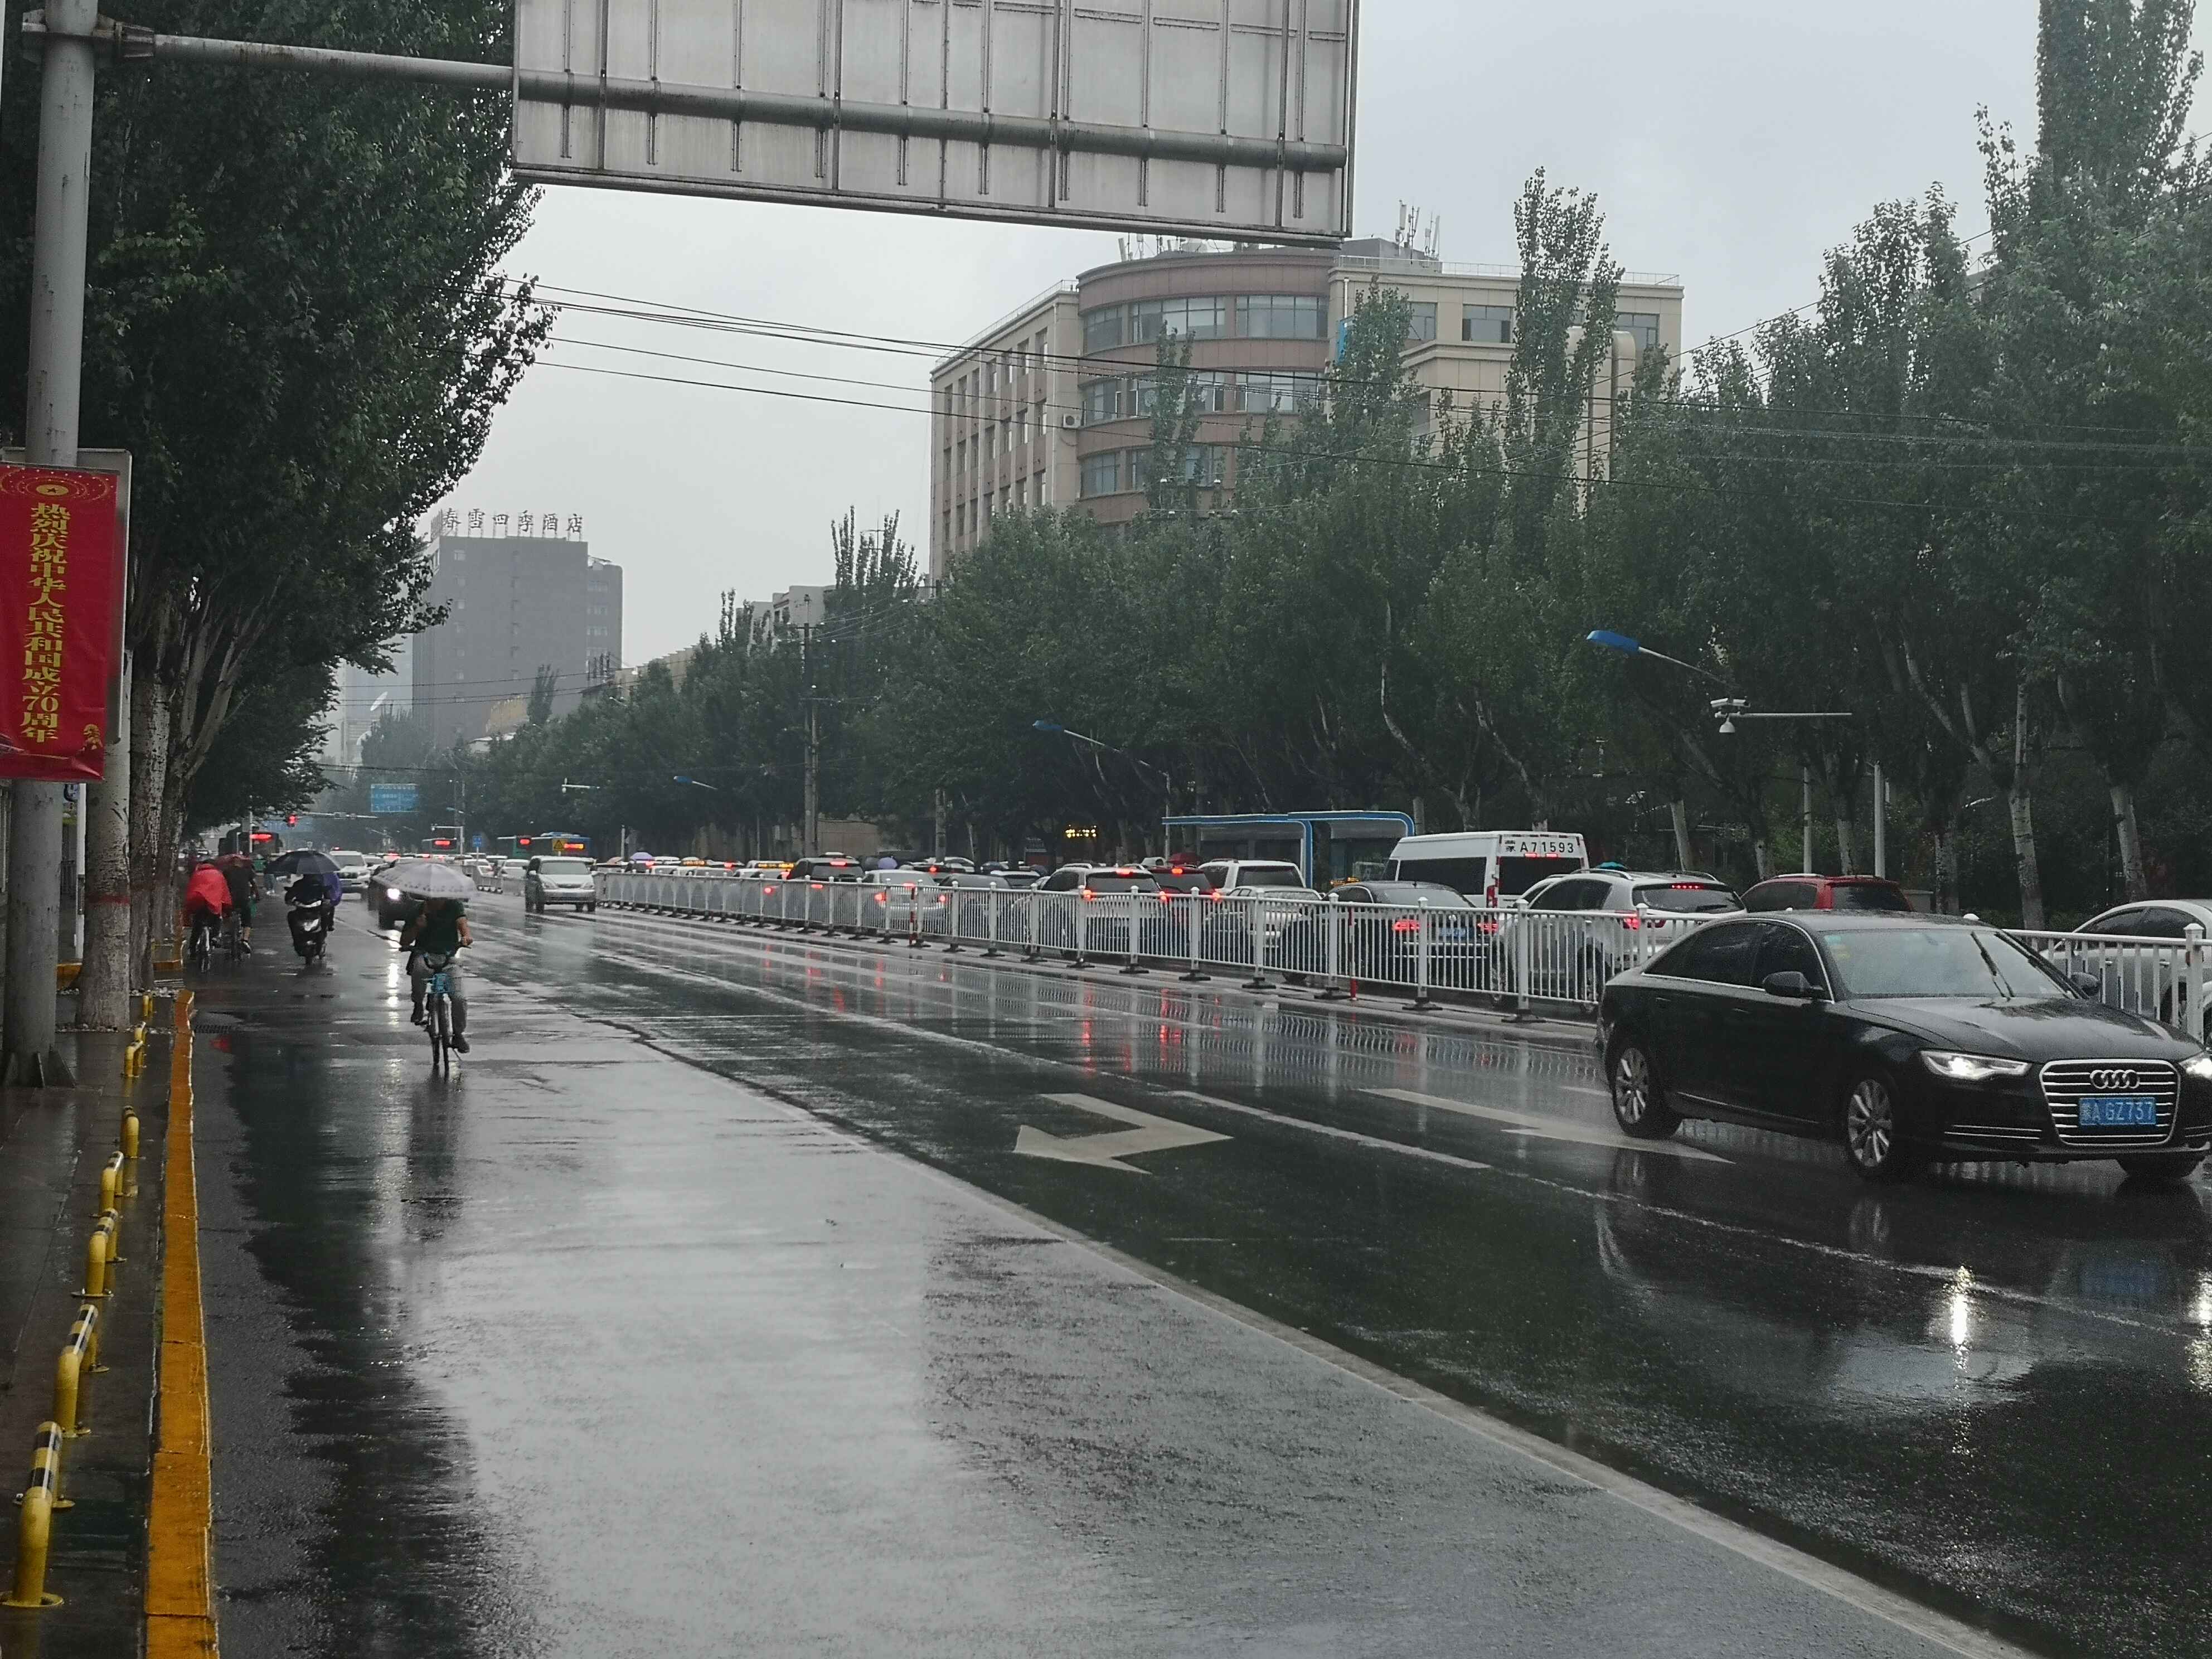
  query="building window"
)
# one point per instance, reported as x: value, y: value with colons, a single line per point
x: 1280, y: 317
x: 1102, y: 474
x: 1643, y: 324
x: 1043, y: 351
x: 1022, y: 424
x: 960, y: 520
x: 1037, y: 496
x: 1422, y: 324
x: 1203, y: 465
x: 1487, y: 324
x: 1275, y: 393
x: 991, y: 443
x: 1192, y: 320
x: 1102, y: 401
x: 1102, y: 329
x: 1021, y: 492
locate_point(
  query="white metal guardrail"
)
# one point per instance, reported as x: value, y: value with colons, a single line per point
x: 2161, y: 979
x: 1523, y: 960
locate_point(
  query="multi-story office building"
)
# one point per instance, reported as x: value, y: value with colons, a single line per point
x: 514, y: 604
x: 1054, y: 405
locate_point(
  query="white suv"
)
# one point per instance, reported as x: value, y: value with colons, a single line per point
x: 1225, y: 873
x: 1588, y: 926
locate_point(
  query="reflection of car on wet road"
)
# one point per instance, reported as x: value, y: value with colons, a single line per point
x: 1912, y: 1039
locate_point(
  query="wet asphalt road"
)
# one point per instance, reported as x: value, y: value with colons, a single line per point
x: 592, y: 1350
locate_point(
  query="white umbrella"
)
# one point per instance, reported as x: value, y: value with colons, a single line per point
x: 419, y: 879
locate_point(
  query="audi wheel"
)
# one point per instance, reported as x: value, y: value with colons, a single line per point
x: 1639, y: 1104
x: 1873, y: 1139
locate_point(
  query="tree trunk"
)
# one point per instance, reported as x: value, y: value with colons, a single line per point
x: 103, y: 991
x: 1762, y: 860
x: 2130, y: 833
x: 1846, y: 864
x: 149, y: 745
x: 1679, y: 812
x: 2023, y: 822
x: 2023, y: 855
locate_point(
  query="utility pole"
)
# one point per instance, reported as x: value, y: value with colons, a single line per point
x: 1805, y: 820
x: 50, y: 429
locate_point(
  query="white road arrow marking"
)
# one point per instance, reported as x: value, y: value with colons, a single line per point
x: 1151, y: 1135
x: 1553, y: 1128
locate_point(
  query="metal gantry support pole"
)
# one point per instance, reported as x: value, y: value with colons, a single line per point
x: 50, y: 428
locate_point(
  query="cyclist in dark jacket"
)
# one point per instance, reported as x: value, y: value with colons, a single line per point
x: 439, y: 929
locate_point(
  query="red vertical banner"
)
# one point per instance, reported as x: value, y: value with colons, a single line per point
x: 61, y: 579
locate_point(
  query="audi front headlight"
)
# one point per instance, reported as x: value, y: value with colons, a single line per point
x: 2198, y: 1066
x: 392, y: 892
x: 1970, y: 1068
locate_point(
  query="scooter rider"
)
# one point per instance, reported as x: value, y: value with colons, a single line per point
x: 312, y: 908
x: 439, y: 929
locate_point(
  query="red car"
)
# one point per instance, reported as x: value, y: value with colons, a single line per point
x: 1805, y: 892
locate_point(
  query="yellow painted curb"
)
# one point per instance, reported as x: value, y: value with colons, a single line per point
x: 179, y: 1521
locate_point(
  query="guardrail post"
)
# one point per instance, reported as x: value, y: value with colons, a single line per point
x: 1422, y: 1002
x: 1197, y: 902
x: 1523, y: 968
x: 1130, y: 967
x: 2193, y: 974
x: 1333, y: 953
x: 1082, y: 907
x: 34, y: 1524
x: 991, y: 949
x: 76, y: 1359
x: 913, y: 918
x: 1256, y: 910
x: 1032, y: 946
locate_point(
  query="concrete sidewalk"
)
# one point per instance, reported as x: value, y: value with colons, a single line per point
x: 53, y: 1145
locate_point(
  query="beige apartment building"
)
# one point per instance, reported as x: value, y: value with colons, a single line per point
x: 1052, y: 406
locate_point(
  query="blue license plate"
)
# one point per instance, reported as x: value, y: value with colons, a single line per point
x: 2118, y: 1112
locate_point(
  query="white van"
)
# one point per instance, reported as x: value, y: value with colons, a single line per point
x: 1491, y: 866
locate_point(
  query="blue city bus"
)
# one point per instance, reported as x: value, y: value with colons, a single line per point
x: 1328, y: 847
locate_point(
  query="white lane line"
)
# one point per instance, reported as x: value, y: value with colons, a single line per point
x: 1372, y: 1142
x: 1553, y: 1128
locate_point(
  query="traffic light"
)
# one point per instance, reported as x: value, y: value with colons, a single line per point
x: 291, y: 818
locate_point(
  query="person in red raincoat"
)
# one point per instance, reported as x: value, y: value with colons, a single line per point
x: 207, y: 898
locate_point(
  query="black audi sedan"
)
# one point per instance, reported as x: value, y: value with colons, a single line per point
x: 1912, y: 1039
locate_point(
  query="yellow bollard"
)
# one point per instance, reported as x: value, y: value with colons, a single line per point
x: 95, y: 1259
x: 34, y: 1526
x: 129, y: 1136
x: 111, y: 1183
x: 114, y: 1219
x: 76, y: 1360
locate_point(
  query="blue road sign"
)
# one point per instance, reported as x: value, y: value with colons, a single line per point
x: 392, y: 798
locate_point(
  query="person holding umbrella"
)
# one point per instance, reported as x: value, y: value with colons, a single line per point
x: 439, y: 931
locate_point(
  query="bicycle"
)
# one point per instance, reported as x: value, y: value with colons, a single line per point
x: 438, y: 1013
x: 199, y: 944
x: 233, y: 939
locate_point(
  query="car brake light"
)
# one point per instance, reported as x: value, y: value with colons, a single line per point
x: 1486, y: 927
x: 1088, y: 896
x: 1631, y: 923
x: 1406, y: 925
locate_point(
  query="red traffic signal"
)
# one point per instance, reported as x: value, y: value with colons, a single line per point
x: 291, y: 818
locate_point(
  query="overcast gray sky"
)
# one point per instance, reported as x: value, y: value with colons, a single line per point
x: 1728, y: 141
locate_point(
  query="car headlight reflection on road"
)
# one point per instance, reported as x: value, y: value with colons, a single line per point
x: 2198, y: 1066
x: 1970, y: 1068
